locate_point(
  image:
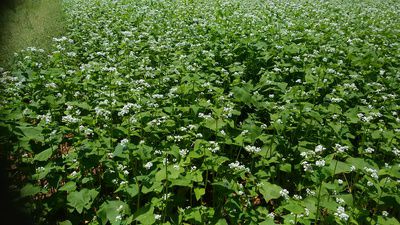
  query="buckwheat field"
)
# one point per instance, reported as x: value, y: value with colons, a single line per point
x: 209, y: 112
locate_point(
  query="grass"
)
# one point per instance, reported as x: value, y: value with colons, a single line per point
x: 31, y: 23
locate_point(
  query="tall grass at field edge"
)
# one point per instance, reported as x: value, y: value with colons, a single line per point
x: 29, y: 23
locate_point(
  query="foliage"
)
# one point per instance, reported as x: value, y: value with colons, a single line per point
x: 220, y: 112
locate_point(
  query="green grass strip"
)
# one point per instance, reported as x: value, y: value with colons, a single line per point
x: 30, y: 23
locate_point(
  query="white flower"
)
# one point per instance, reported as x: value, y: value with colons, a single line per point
x: 307, y: 166
x: 46, y: 118
x: 69, y: 119
x: 340, y: 181
x: 336, y: 99
x: 183, y: 152
x: 320, y: 163
x: 124, y: 142
x: 214, y: 147
x: 284, y: 193
x: 340, y: 201
x: 396, y: 152
x: 385, y: 213
x: 166, y: 196
x: 340, y: 212
x: 205, y: 116
x: 319, y: 148
x: 74, y: 174
x: 271, y: 215
x: 51, y: 85
x: 158, y: 152
x: 191, y: 126
x: 352, y: 168
x: 370, y: 184
x: 102, y: 112
x: 118, y: 218
x: 340, y: 148
x: 372, y: 172
x: 309, y: 192
x: 307, y: 211
x: 125, y: 109
x: 236, y: 166
x: 297, y: 197
x: 177, y: 138
x: 165, y: 161
x: 120, y: 208
x: 148, y: 165
x: 157, y: 216
x: 369, y: 150
x: 252, y: 149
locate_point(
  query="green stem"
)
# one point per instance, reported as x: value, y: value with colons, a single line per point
x: 237, y: 157
x: 205, y: 183
x: 166, y: 189
x: 318, y: 203
x: 138, y: 199
x: 191, y: 196
x: 334, y: 170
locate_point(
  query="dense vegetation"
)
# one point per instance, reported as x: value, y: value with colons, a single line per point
x: 210, y: 112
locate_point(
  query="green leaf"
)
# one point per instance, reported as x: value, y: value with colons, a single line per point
x: 221, y: 222
x: 338, y: 167
x: 82, y: 105
x: 119, y: 151
x: 242, y: 95
x: 66, y: 222
x: 359, y: 163
x: 68, y: 187
x: 194, y: 215
x: 294, y: 207
x: 109, y: 211
x: 329, y: 204
x: 268, y: 221
x: 185, y: 181
x: 214, y: 124
x: 199, y: 192
x: 44, y: 155
x: 29, y: 190
x: 32, y: 133
x: 145, y: 215
x: 51, y: 100
x: 132, y: 190
x: 286, y: 167
x: 81, y: 199
x: 269, y: 191
x: 387, y: 220
x: 216, y: 162
x: 12, y: 114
